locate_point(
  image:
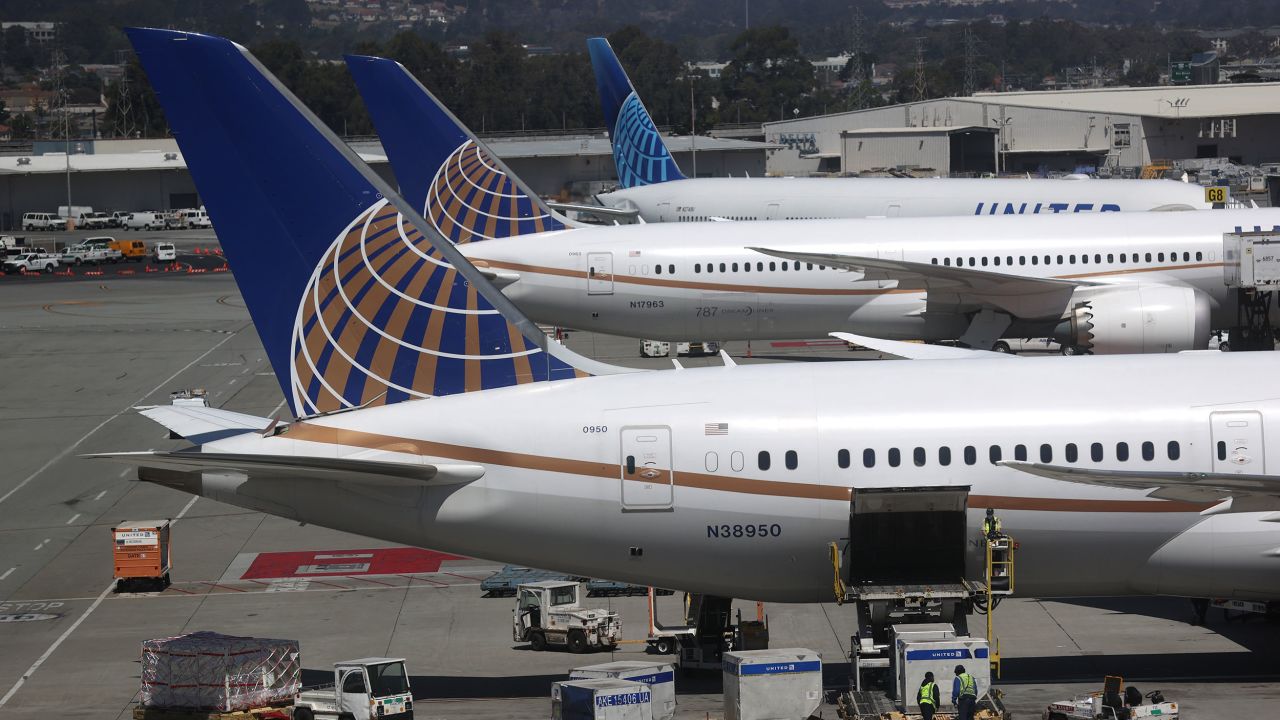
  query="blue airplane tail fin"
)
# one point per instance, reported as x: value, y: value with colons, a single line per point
x: 444, y: 170
x: 358, y: 300
x: 638, y: 151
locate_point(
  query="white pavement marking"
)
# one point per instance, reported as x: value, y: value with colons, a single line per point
x: 74, y: 518
x: 46, y: 540
x: 8, y: 572
x: 76, y: 444
x: 122, y: 474
x: 278, y: 407
x: 62, y: 638
x: 104, y: 492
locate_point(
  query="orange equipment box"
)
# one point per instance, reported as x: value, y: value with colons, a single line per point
x: 141, y: 554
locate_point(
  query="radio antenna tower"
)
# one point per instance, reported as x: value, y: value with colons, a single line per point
x: 858, y: 73
x: 970, y: 62
x: 920, y: 86
x: 124, y: 98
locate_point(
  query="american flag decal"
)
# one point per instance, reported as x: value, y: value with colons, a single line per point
x: 717, y: 428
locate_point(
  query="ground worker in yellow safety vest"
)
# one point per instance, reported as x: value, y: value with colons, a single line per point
x: 928, y: 697
x: 964, y: 694
x: 991, y: 525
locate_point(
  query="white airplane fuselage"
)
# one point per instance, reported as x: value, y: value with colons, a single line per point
x: 700, y: 281
x: 553, y: 492
x: 817, y: 198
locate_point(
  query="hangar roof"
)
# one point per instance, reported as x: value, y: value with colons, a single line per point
x: 1166, y: 101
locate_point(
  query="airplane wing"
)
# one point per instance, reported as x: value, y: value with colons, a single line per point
x: 277, y: 467
x: 597, y: 210
x: 919, y: 351
x: 1226, y: 491
x: 204, y: 424
x: 945, y: 285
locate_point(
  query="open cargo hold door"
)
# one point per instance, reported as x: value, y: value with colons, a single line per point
x: 912, y: 535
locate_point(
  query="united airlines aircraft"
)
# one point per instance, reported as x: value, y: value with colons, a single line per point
x: 469, y: 431
x: 652, y: 186
x: 1097, y: 282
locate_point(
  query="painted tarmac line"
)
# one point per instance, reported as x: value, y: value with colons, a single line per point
x: 8, y: 572
x: 74, y: 518
x: 56, y: 643
x: 104, y: 492
x: 71, y: 448
x: 42, y: 544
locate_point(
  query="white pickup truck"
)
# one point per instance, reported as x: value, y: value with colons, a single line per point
x: 30, y: 263
x: 84, y: 254
x: 365, y: 689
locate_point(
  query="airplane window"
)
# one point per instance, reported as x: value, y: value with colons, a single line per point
x: 996, y: 260
x: 737, y: 460
x: 1097, y: 257
x: 842, y: 459
x: 868, y: 458
x: 944, y: 456
x: 1111, y: 258
x: 697, y: 267
x: 791, y: 459
x: 1095, y: 452
x: 1035, y: 259
x: 934, y: 261
x: 1073, y: 260
x: 721, y: 267
x: 895, y: 457
x: 1060, y: 260
x: 1199, y: 256
x: 970, y: 455
x: 1148, y: 257
x: 946, y: 261
x: 1072, y: 454
x: 1122, y: 451
x: 1022, y: 259
x: 631, y: 464
x: 773, y: 266
x: 657, y: 269
x: 1048, y: 259
x: 735, y: 267
x: 1222, y: 450
x: 1020, y: 452
x: 1122, y: 257
x: 797, y: 266
x: 1008, y: 260
x: 959, y: 262
x: 984, y: 262
x: 1174, y: 451
x: 994, y: 454
x: 1084, y: 259
x: 808, y: 266
x: 759, y: 267
x: 1046, y: 453
x: 972, y: 262
x: 746, y: 267
x: 1148, y: 450
x: 671, y: 269
x: 784, y: 267
x: 1160, y: 257
x: 822, y: 267
x: 763, y: 459
x: 1186, y: 257
x: 918, y: 456
x: 712, y: 462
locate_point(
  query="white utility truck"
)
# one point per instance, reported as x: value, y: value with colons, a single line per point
x: 1113, y: 704
x: 30, y: 262
x: 90, y: 254
x: 365, y: 689
x: 550, y: 613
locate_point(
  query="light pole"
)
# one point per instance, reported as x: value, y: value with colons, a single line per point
x: 693, y: 128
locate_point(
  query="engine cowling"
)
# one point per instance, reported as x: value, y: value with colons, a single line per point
x: 1137, y: 319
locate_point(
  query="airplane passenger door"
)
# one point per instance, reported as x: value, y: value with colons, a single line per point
x: 773, y: 211
x: 599, y: 273
x: 664, y: 212
x: 647, y: 478
x: 1237, y: 443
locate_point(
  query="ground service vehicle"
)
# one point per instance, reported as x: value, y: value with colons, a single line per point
x: 195, y: 219
x: 133, y: 250
x: 96, y: 221
x: 361, y: 690
x: 147, y: 220
x: 39, y: 221
x: 550, y: 613
x: 654, y: 348
x: 141, y: 555
x: 117, y: 218
x: 87, y: 254
x: 1113, y: 704
x: 30, y: 262
x: 163, y: 252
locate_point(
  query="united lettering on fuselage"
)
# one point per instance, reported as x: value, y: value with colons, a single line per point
x: 1008, y: 208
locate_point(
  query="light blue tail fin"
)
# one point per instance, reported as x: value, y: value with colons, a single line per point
x: 638, y: 151
x: 444, y: 170
x: 357, y: 299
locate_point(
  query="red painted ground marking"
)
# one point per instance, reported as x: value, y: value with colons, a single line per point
x: 437, y: 583
x: 224, y: 587
x: 464, y: 577
x: 805, y: 343
x: 340, y: 563
x: 332, y: 585
x: 367, y: 579
x: 178, y: 589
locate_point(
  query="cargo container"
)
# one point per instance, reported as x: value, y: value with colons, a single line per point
x: 783, y: 684
x: 606, y: 699
x: 659, y: 676
x: 141, y: 553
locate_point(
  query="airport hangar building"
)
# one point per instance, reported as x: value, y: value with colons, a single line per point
x: 152, y: 175
x: 1121, y: 129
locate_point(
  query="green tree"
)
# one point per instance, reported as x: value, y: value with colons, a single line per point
x: 22, y: 128
x: 4, y: 112
x: 768, y: 71
x: 493, y: 85
x: 428, y: 62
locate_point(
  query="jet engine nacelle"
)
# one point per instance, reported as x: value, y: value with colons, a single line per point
x: 1137, y: 319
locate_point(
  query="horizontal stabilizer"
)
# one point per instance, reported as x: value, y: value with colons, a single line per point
x: 1019, y: 295
x: 1247, y: 493
x: 202, y: 425
x: 918, y: 351
x: 272, y: 467
x: 597, y: 210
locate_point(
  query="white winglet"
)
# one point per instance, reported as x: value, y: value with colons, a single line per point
x: 919, y: 351
x: 728, y: 361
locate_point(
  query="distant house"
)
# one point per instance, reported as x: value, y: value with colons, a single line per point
x: 6, y: 133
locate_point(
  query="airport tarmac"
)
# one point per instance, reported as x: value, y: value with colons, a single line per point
x: 80, y: 355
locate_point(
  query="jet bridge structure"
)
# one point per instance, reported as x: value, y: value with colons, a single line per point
x: 911, y: 559
x: 1251, y: 267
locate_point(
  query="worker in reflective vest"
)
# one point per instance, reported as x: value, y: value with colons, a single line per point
x: 928, y: 697
x: 991, y: 525
x: 964, y: 694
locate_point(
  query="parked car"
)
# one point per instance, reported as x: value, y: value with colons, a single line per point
x: 173, y: 220
x: 163, y: 252
x: 30, y: 262
x: 117, y: 219
x: 90, y: 254
x: 96, y: 221
x: 133, y: 250
x: 40, y: 221
x: 145, y: 220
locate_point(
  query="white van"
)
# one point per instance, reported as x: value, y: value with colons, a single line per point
x: 40, y: 221
x: 195, y: 219
x: 148, y: 220
x: 163, y: 252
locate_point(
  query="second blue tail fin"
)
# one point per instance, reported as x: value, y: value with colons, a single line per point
x: 357, y: 299
x: 638, y: 151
